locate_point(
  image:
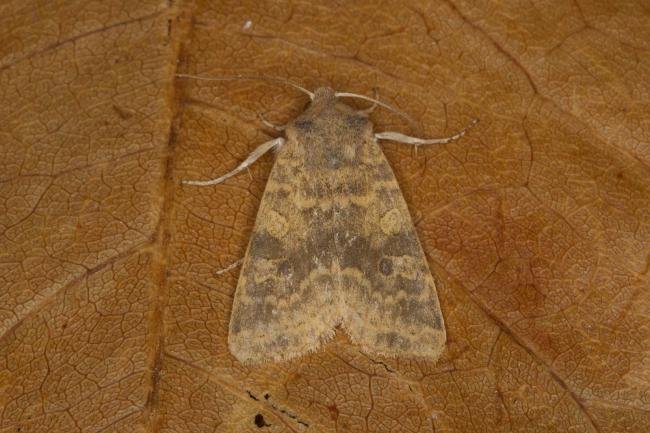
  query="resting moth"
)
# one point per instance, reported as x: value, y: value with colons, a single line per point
x: 333, y: 244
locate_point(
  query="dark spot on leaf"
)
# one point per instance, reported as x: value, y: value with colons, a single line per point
x: 334, y: 412
x: 260, y: 422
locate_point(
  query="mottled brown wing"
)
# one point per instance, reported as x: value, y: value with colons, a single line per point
x: 392, y: 304
x: 284, y: 304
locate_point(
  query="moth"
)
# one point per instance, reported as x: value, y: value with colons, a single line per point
x: 333, y: 244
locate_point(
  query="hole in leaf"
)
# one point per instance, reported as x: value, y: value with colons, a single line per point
x: 260, y: 421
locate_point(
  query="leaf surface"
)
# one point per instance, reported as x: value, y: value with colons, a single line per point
x: 536, y: 224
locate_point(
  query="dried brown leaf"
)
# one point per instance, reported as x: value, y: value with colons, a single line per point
x: 536, y: 224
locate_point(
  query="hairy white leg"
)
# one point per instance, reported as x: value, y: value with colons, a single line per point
x: 261, y: 150
x: 396, y: 136
x: 230, y: 267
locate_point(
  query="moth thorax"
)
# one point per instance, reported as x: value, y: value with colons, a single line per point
x: 324, y: 93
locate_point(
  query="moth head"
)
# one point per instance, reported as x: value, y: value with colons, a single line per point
x: 323, y: 107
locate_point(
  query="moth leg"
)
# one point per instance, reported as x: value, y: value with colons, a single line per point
x: 230, y: 267
x: 261, y: 150
x: 401, y: 138
x: 268, y: 124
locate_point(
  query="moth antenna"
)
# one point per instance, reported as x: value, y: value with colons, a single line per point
x: 252, y: 78
x: 378, y: 102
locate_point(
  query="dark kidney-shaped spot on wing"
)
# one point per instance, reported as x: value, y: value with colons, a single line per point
x: 386, y: 266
